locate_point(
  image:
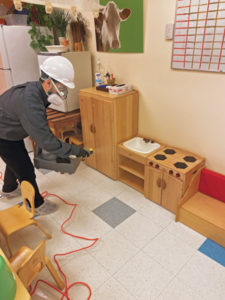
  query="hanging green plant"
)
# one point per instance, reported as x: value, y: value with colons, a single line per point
x: 37, y: 19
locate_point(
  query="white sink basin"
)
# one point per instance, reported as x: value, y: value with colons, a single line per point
x: 141, y: 145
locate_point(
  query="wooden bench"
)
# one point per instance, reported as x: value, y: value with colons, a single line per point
x: 202, y: 207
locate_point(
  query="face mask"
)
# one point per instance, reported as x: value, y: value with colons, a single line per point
x: 55, y: 99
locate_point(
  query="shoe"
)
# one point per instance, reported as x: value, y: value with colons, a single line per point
x: 46, y: 208
x: 13, y: 194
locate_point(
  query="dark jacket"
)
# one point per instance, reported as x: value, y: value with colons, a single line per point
x: 23, y: 113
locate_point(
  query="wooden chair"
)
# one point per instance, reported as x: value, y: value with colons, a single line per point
x: 19, y: 216
x: 27, y: 263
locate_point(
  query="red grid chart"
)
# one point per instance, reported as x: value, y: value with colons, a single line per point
x: 199, y: 35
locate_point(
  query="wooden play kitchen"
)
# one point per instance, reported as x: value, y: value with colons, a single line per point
x: 168, y: 173
x: 162, y: 176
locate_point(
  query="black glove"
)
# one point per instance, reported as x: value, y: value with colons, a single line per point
x: 84, y: 152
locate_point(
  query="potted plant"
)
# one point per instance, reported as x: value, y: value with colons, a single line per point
x: 41, y: 27
x: 60, y: 20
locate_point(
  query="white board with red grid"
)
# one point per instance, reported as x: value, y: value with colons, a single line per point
x: 199, y: 35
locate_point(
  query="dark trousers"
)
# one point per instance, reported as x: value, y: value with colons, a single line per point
x: 18, y: 166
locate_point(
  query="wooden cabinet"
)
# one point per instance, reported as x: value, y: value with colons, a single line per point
x: 152, y: 189
x: 172, y: 190
x: 107, y: 120
x: 163, y: 188
x: 168, y: 173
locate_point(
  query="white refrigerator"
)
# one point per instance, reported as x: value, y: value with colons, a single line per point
x: 18, y: 61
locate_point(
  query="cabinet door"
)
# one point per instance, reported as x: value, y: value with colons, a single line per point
x: 88, y: 129
x: 171, y: 192
x: 103, y: 114
x: 153, y: 181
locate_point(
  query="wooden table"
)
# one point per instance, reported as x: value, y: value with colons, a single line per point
x: 58, y: 120
x: 21, y: 291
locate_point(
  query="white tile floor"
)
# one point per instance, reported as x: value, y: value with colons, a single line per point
x: 148, y: 256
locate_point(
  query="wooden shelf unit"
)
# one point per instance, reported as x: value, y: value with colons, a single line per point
x: 132, y: 167
x: 135, y: 182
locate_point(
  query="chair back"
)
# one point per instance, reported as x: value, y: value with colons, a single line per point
x: 28, y: 193
x: 34, y: 263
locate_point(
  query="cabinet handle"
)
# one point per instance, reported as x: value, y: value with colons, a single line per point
x: 158, y: 182
x: 164, y: 185
x: 92, y: 128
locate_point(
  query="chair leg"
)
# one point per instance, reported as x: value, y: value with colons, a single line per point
x: 54, y: 274
x: 8, y: 245
x: 42, y: 229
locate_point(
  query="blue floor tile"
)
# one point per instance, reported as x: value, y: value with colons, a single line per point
x: 214, y: 251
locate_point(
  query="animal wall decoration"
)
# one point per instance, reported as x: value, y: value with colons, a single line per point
x: 112, y: 20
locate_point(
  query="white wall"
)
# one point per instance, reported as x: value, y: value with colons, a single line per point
x: 180, y: 108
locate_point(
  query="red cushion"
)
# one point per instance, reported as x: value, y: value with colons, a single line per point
x: 212, y: 184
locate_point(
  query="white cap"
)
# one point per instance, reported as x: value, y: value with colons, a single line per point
x: 60, y: 69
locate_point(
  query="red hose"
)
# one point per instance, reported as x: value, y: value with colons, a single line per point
x: 67, y: 288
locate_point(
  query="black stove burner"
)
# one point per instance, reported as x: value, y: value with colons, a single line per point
x: 170, y: 151
x: 180, y: 165
x: 160, y: 157
x: 190, y: 159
